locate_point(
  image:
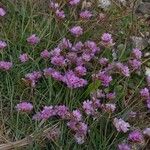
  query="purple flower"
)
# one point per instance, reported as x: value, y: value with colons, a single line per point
x: 73, y: 81
x: 135, y: 64
x: 45, y: 54
x: 88, y: 107
x: 5, y: 65
x: 111, y: 96
x: 124, y: 146
x: 85, y: 14
x: 24, y: 57
x: 78, y: 46
x: 145, y: 93
x: 86, y: 56
x: 74, y: 2
x: 33, y: 77
x: 62, y: 111
x: 135, y: 136
x: 2, y: 12
x: 121, y: 125
x: 79, y: 139
x: 55, y: 52
x: 60, y: 14
x: 103, y: 61
x: 65, y: 44
x: 24, y: 107
x: 80, y: 70
x: 2, y: 44
x: 137, y: 54
x: 58, y: 60
x: 104, y: 78
x: 123, y: 69
x: 146, y: 132
x: 76, y: 31
x: 33, y: 39
x: 54, y: 5
x: 106, y: 38
x: 109, y: 107
x: 77, y: 115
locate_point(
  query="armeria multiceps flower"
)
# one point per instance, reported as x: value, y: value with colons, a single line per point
x: 56, y: 52
x: 65, y: 44
x: 135, y: 136
x: 5, y: 65
x: 88, y: 107
x: 145, y: 93
x: 74, y: 2
x: 78, y: 46
x: 62, y: 111
x: 124, y: 146
x: 103, y: 61
x: 104, y: 78
x: 2, y: 12
x: 33, y: 39
x: 123, y: 69
x: 24, y: 107
x: 111, y: 96
x: 45, y: 54
x: 53, y: 73
x: 80, y: 71
x: 24, y: 57
x: 107, y: 39
x: 77, y: 116
x: 137, y: 54
x: 33, y: 77
x: 146, y: 132
x: 85, y: 14
x: 73, y: 81
x: 54, y: 5
x: 121, y: 125
x: 2, y: 44
x: 135, y: 64
x: 60, y: 14
x: 58, y: 60
x: 76, y: 31
x: 109, y: 107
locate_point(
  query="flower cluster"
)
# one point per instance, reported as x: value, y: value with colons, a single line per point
x: 24, y: 107
x: 5, y: 65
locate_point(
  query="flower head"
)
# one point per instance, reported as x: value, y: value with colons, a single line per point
x: 2, y: 12
x: 76, y: 31
x: 24, y: 57
x: 74, y: 2
x: 124, y: 146
x: 2, y: 44
x: 33, y: 39
x: 45, y: 54
x: 24, y: 107
x: 121, y: 125
x: 137, y: 54
x: 5, y: 65
x: 85, y: 14
x: 135, y: 136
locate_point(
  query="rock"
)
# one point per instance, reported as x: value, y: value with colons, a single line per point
x: 143, y: 8
x: 139, y: 42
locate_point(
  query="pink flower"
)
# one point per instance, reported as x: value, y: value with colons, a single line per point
x: 74, y: 2
x: 5, y: 65
x: 137, y: 54
x: 80, y: 70
x: 45, y: 54
x: 77, y: 115
x: 73, y: 81
x: 88, y: 107
x: 65, y: 44
x: 85, y: 14
x: 124, y: 146
x: 58, y: 60
x: 103, y: 61
x: 78, y: 46
x: 135, y: 64
x: 2, y: 44
x: 145, y: 93
x: 146, y: 132
x: 106, y: 38
x: 24, y: 57
x: 60, y: 14
x: 135, y: 136
x: 2, y: 12
x: 121, y: 125
x: 33, y: 39
x: 54, y: 5
x: 109, y: 107
x: 123, y: 69
x: 76, y: 31
x: 24, y: 107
